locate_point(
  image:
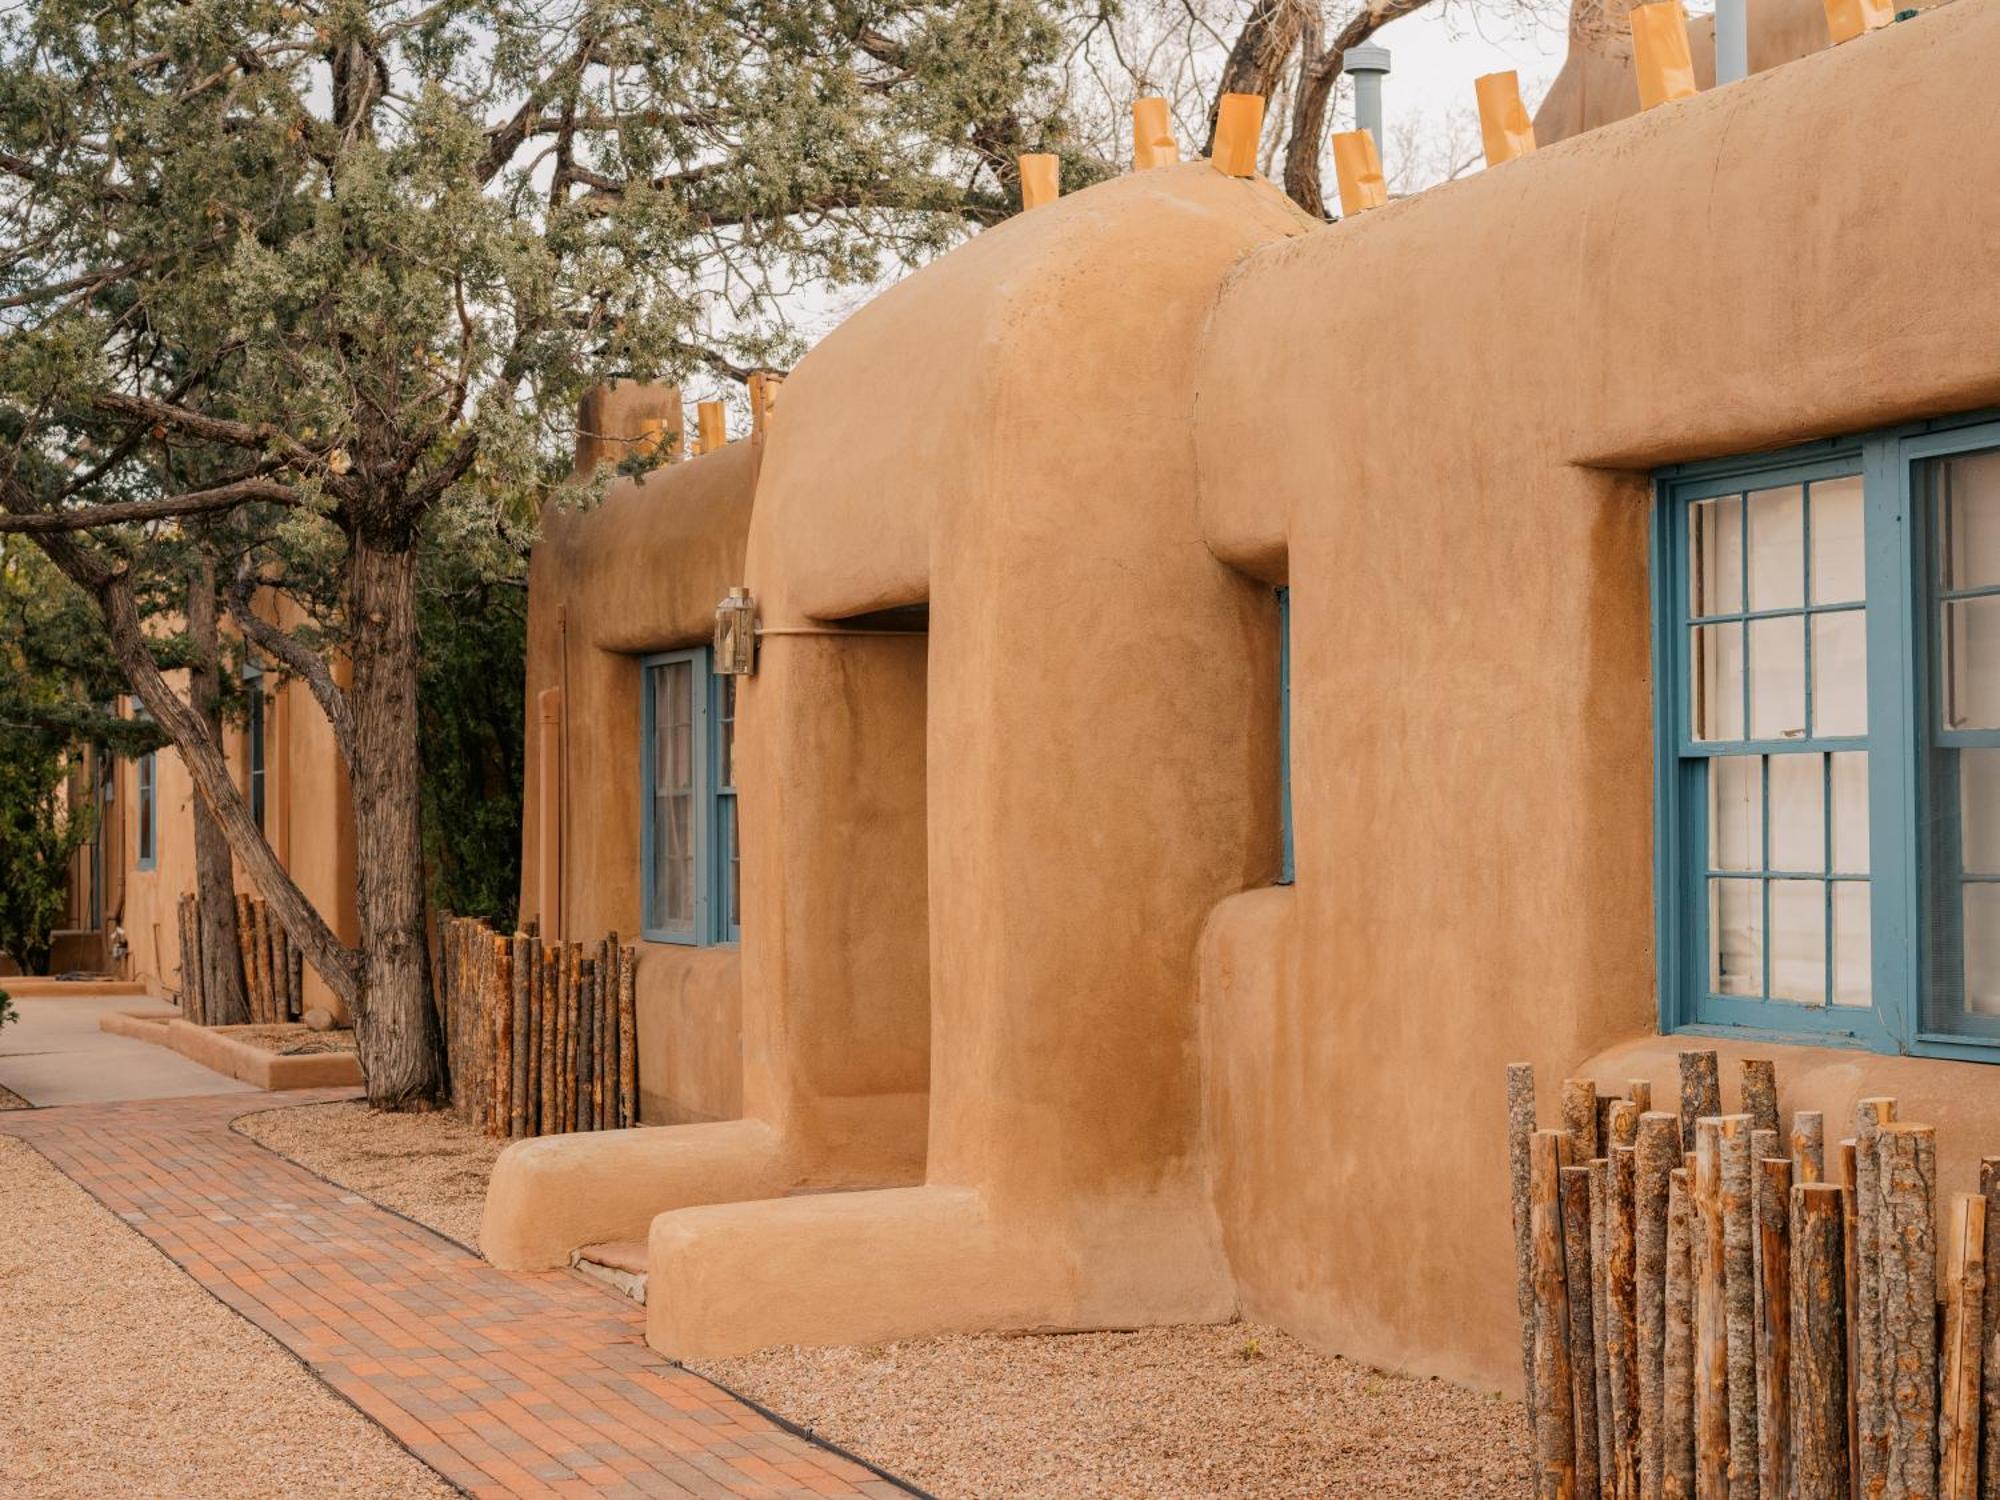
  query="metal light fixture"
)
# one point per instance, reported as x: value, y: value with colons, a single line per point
x: 736, y: 634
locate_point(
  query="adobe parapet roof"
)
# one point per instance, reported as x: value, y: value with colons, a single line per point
x: 1063, y: 329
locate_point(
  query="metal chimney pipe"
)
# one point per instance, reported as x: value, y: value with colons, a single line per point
x: 1367, y: 65
x: 1732, y: 41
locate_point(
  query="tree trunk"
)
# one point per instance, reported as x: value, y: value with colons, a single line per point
x: 396, y: 1026
x: 223, y: 1001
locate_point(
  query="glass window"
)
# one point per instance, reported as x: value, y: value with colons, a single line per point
x: 148, y: 810
x: 1960, y: 496
x: 1826, y: 784
x: 253, y: 742
x: 689, y: 837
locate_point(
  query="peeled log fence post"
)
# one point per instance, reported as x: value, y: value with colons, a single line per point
x: 1677, y: 1469
x: 1907, y: 1246
x: 1740, y: 1289
x: 1850, y: 1212
x: 1600, y: 1311
x: 1870, y: 1413
x: 551, y: 1008
x: 260, y: 947
x: 1640, y: 1092
x: 517, y: 1089
x: 1622, y: 1298
x: 1809, y: 1146
x: 1965, y: 1296
x: 1989, y: 1364
x: 243, y: 957
x: 1555, y: 1457
x: 503, y: 1032
x: 1575, y: 1188
x: 628, y: 1041
x: 1658, y: 1154
x: 1711, y: 1336
x: 1579, y: 1117
x: 1819, y: 1454
x: 1760, y: 1093
x: 1701, y: 1093
x: 1774, y: 1326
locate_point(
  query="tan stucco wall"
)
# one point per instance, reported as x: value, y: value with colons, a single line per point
x: 1462, y: 493
x: 1598, y: 83
x: 637, y: 573
x: 1101, y: 765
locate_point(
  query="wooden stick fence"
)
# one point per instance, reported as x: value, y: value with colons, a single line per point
x: 273, y: 971
x: 542, y: 1037
x: 1709, y: 1314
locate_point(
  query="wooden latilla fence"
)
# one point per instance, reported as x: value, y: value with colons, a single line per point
x: 273, y: 970
x: 542, y: 1036
x: 1708, y: 1314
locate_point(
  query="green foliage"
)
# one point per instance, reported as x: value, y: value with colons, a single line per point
x: 39, y: 832
x: 473, y: 643
x: 8, y: 1014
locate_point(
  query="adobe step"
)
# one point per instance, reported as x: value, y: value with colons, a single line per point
x: 618, y: 1264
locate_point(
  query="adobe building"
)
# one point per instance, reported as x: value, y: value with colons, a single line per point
x: 127, y: 882
x: 1228, y: 685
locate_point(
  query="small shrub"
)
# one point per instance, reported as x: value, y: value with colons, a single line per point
x: 1252, y: 1349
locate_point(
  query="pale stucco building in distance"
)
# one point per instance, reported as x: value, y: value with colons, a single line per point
x: 1230, y: 684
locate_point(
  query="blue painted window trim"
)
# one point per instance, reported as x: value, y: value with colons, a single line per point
x: 147, y: 804
x: 255, y: 769
x: 1287, y: 870
x: 714, y: 803
x: 1900, y: 647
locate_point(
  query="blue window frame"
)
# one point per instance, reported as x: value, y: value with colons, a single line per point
x: 253, y: 741
x: 147, y: 804
x: 688, y: 827
x: 1286, y: 870
x: 1827, y: 670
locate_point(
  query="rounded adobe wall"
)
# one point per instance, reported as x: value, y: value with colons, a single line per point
x: 1474, y: 387
x: 922, y: 402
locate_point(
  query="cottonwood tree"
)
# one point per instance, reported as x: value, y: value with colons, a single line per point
x: 336, y: 272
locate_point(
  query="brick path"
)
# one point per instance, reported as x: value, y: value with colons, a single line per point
x: 506, y: 1384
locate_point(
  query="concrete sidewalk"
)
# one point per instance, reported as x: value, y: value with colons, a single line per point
x: 56, y: 1055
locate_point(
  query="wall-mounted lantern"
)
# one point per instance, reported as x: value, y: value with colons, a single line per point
x: 736, y: 634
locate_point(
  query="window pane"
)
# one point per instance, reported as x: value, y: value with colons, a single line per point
x: 1715, y: 556
x: 1838, y: 564
x: 1736, y: 812
x: 725, y: 702
x: 673, y: 861
x: 1798, y: 941
x: 1798, y: 832
x: 1850, y: 811
x: 1982, y: 948
x: 1853, y: 971
x: 1979, y: 811
x: 1971, y: 665
x: 1778, y: 678
x: 1777, y: 548
x: 1840, y: 673
x: 1717, y: 658
x: 1968, y: 491
x: 1736, y: 937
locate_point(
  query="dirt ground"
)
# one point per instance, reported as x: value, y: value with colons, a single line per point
x: 294, y: 1041
x: 11, y: 1100
x: 428, y: 1167
x: 1232, y: 1409
x: 1164, y: 1413
x: 123, y: 1378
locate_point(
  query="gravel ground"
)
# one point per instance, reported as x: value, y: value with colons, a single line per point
x: 123, y: 1378
x: 11, y: 1100
x: 1232, y: 1410
x: 294, y: 1041
x: 1164, y: 1413
x: 427, y: 1166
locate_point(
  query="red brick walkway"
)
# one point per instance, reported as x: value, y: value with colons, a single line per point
x: 506, y: 1384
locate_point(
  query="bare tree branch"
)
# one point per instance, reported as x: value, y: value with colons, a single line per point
x: 163, y: 507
